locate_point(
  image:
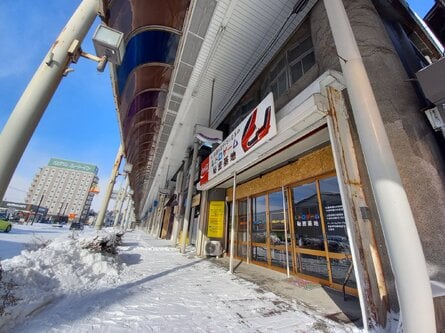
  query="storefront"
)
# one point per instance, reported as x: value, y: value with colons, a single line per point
x: 314, y: 245
x: 22, y: 212
x: 289, y: 212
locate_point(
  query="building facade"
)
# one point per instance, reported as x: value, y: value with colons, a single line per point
x: 291, y: 187
x: 21, y: 212
x: 65, y: 188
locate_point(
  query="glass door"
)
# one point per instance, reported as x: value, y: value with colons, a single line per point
x: 259, y: 230
x: 277, y: 236
x: 241, y: 239
x: 319, y: 229
x: 308, y: 232
x: 336, y: 233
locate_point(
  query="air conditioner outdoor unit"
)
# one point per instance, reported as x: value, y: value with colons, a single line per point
x: 213, y: 248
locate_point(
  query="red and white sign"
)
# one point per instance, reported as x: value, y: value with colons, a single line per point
x: 250, y: 134
x: 204, y: 177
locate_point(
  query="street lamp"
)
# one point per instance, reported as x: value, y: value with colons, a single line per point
x: 109, y: 44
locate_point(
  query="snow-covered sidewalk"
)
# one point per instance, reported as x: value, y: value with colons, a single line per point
x: 153, y: 288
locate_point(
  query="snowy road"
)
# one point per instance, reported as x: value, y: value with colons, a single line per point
x: 156, y: 289
x: 27, y: 236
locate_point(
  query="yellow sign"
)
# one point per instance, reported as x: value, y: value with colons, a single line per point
x: 216, y: 219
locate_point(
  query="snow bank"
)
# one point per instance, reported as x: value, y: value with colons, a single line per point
x: 34, y: 279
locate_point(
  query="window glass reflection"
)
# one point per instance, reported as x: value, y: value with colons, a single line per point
x: 276, y: 218
x: 307, y: 222
x: 313, y: 265
x: 278, y: 258
x: 259, y: 230
x: 259, y: 253
x: 242, y: 228
x: 334, y: 216
x: 342, y: 271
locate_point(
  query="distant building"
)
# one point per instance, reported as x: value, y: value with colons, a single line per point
x: 65, y: 188
x: 21, y: 212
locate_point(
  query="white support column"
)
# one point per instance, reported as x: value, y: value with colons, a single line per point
x: 120, y: 202
x: 37, y: 95
x: 106, y: 199
x: 398, y: 225
x: 127, y: 208
x: 178, y: 189
x: 160, y: 217
x: 188, y: 204
x: 177, y: 219
x: 232, y: 229
x: 150, y: 219
x: 201, y: 224
x: 128, y: 214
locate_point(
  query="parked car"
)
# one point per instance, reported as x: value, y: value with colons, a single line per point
x: 76, y: 226
x: 5, y: 226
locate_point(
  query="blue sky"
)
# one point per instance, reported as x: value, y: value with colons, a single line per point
x: 80, y: 122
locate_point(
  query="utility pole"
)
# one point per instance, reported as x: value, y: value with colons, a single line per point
x: 37, y: 210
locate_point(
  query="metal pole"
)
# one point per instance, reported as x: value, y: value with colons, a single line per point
x: 37, y: 211
x: 37, y: 95
x: 60, y: 210
x: 64, y: 210
x: 106, y: 199
x: 232, y: 228
x: 285, y: 230
x: 188, y: 204
x: 398, y: 225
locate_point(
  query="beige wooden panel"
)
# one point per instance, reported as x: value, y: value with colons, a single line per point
x: 311, y: 165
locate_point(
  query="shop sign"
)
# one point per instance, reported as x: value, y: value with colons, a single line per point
x: 204, y: 177
x: 251, y: 133
x: 16, y: 205
x: 215, y: 228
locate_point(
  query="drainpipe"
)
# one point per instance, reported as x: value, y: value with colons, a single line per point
x: 106, y: 199
x: 188, y: 204
x: 398, y: 225
x: 37, y: 95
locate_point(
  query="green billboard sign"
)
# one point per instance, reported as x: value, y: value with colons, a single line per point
x: 55, y: 162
